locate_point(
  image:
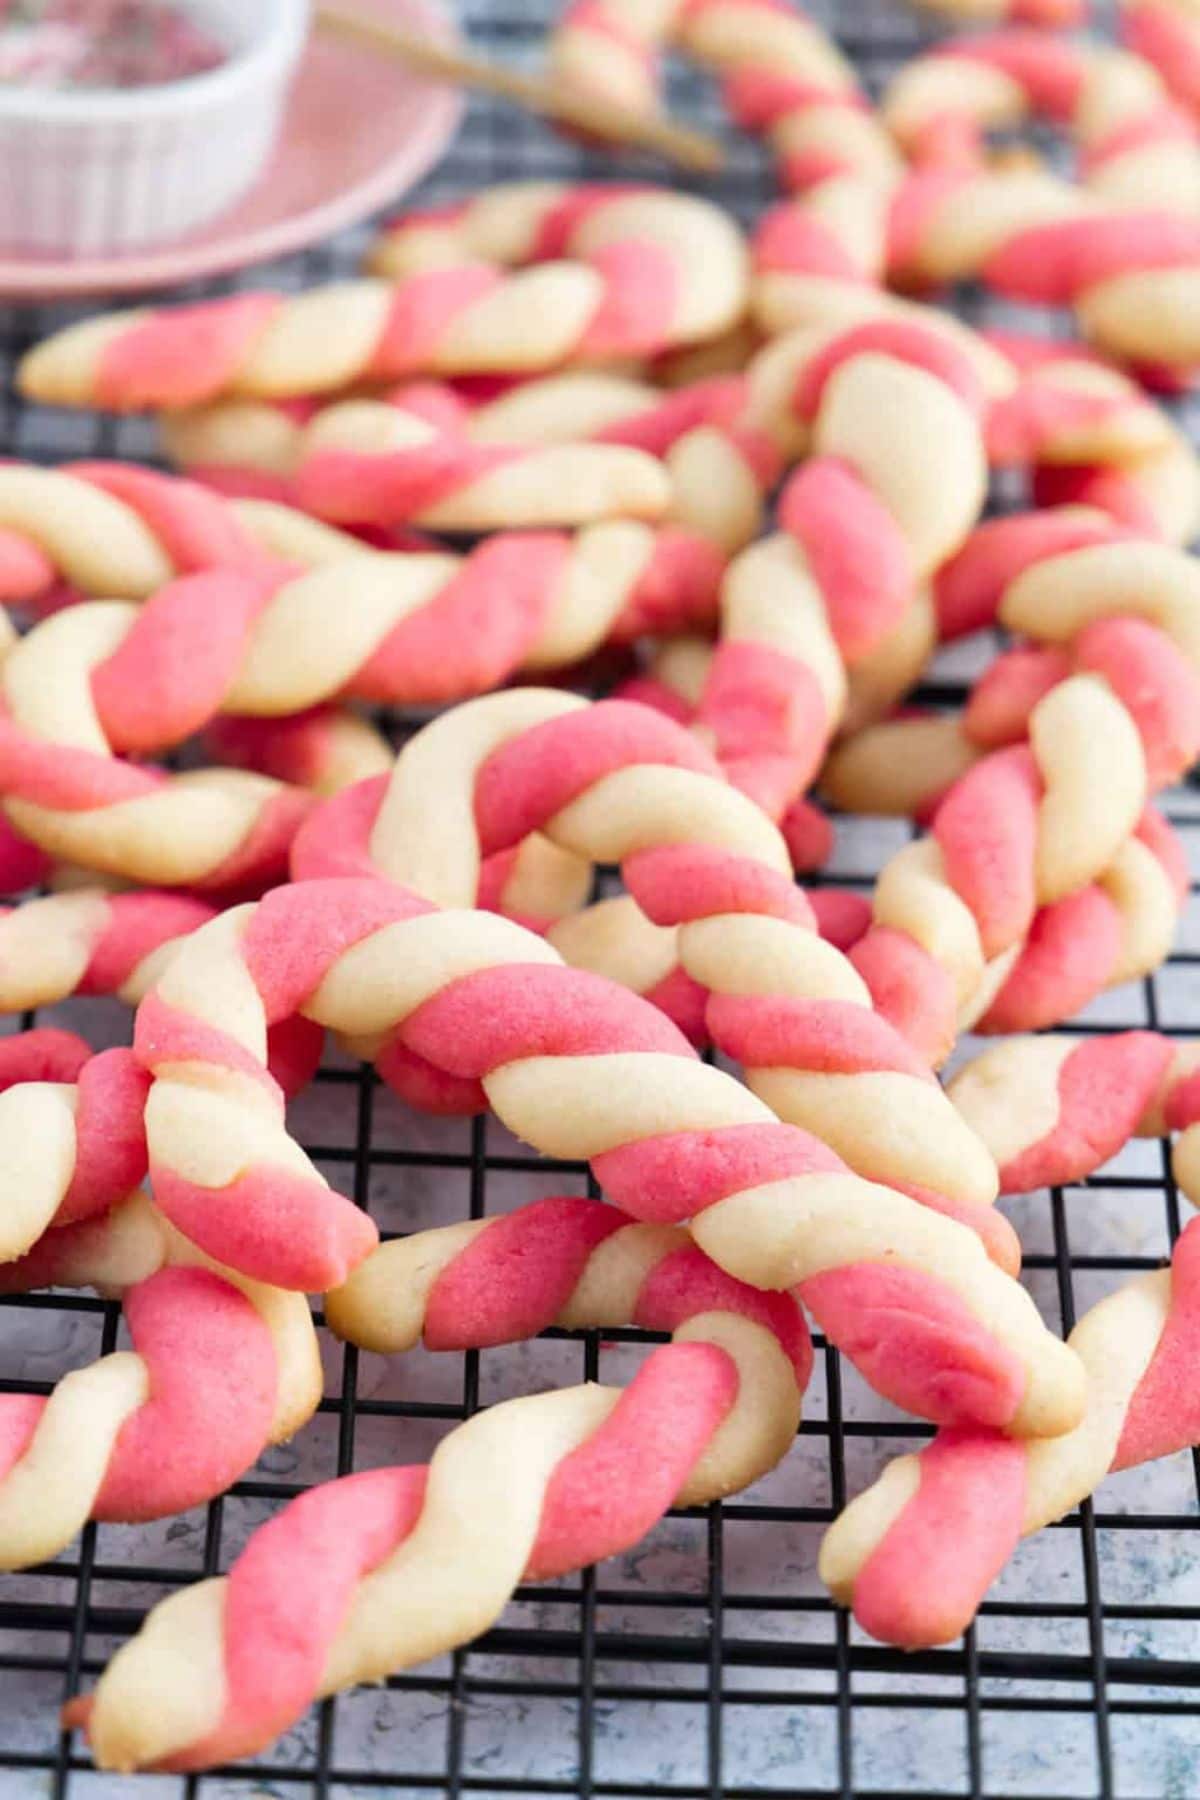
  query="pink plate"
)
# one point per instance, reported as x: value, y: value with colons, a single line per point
x: 358, y: 132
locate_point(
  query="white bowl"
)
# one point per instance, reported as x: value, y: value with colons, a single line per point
x: 86, y: 171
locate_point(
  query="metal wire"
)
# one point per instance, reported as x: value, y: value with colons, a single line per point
x: 708, y: 1665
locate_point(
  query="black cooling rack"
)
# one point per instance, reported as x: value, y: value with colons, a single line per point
x: 709, y: 1665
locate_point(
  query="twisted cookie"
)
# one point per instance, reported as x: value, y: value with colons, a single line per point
x: 579, y: 1068
x: 1167, y: 34
x: 72, y: 1141
x: 729, y: 952
x: 220, y: 1367
x: 566, y: 1261
x: 915, y: 1554
x: 1053, y: 1109
x: 1091, y: 599
x: 89, y: 941
x: 1085, y: 433
x: 647, y: 270
x: 525, y: 599
x: 1058, y: 822
x: 843, y: 587
x: 378, y: 1571
x: 1123, y: 250
x: 109, y: 529
x: 107, y: 678
x: 745, y: 970
x: 1060, y: 14
x: 780, y: 74
x: 560, y: 450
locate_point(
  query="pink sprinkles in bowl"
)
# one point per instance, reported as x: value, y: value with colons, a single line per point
x: 102, y: 44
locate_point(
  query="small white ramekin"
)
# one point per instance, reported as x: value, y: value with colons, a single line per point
x: 86, y: 172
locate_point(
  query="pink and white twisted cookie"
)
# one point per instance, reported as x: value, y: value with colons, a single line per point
x: 1123, y: 248
x: 1055, y: 14
x: 579, y: 1068
x: 1078, y: 427
x: 615, y: 272
x: 109, y: 529
x: 1167, y: 34
x: 564, y: 1260
x: 960, y: 938
x: 72, y: 700
x: 1044, y: 875
x: 42, y: 1054
x: 1054, y: 1109
x: 89, y: 941
x: 916, y: 1552
x: 842, y: 589
x: 1089, y: 597
x: 112, y: 530
x: 96, y: 683
x: 400, y: 1564
x: 780, y: 73
x: 527, y: 599
x: 219, y: 1368
x: 557, y: 450
x: 72, y: 1142
x: 1086, y: 434
x: 733, y: 952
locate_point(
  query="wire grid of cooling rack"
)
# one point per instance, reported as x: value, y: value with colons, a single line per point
x: 709, y: 1663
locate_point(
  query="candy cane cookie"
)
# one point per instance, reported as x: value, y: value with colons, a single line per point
x: 1084, y: 433
x: 730, y: 954
x: 99, y: 681
x: 580, y: 1068
x: 1056, y: 14
x: 533, y: 600
x: 1123, y: 248
x: 89, y: 941
x: 1054, y: 1109
x: 780, y: 74
x: 42, y: 1054
x: 564, y: 1260
x: 109, y: 529
x: 1073, y: 422
x: 1090, y: 598
x: 1057, y: 821
x: 219, y: 1368
x: 828, y: 620
x: 71, y: 1145
x: 614, y: 273
x: 557, y: 450
x: 964, y: 935
x: 1167, y: 34
x: 403, y: 1563
x: 915, y: 1553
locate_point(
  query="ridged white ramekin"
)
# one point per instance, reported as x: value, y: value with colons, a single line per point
x: 84, y: 172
